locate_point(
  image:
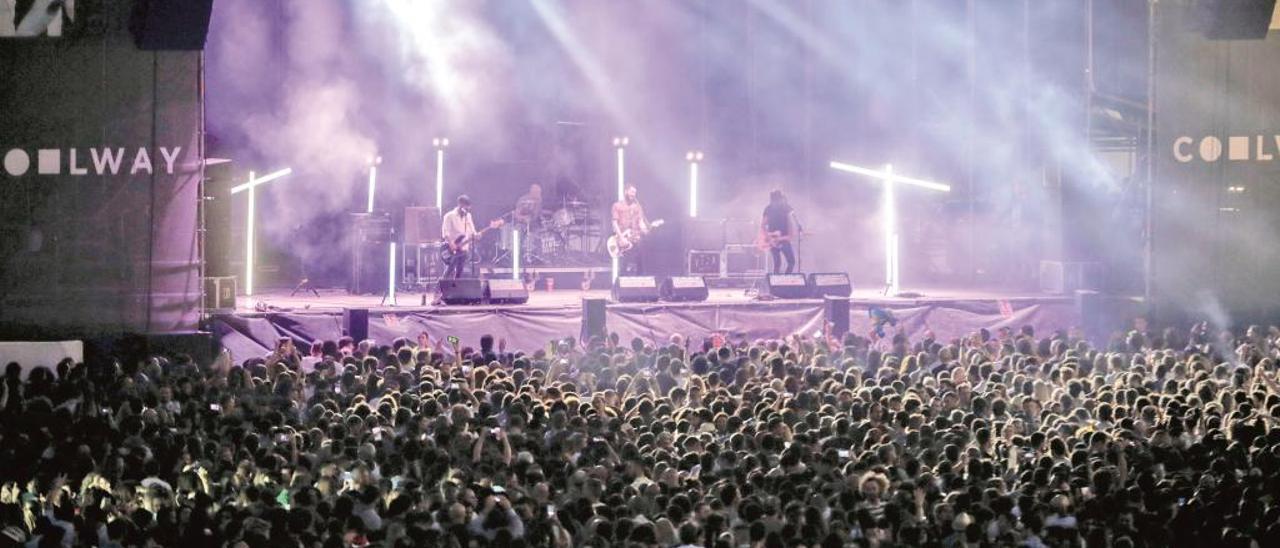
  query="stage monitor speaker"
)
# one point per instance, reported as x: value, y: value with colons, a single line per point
x: 170, y: 24
x: 506, y: 291
x: 462, y: 291
x: 788, y: 286
x: 685, y: 289
x: 837, y: 314
x: 830, y: 284
x: 635, y: 289
x: 355, y: 323
x: 1236, y: 19
x: 593, y: 320
x: 421, y: 225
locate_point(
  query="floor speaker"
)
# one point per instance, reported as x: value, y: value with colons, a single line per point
x: 462, y: 291
x: 685, y: 289
x: 506, y: 291
x: 787, y: 286
x: 832, y: 284
x: 634, y: 289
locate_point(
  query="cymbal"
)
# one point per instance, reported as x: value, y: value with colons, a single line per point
x: 575, y: 203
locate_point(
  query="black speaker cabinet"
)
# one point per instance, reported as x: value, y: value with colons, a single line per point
x: 170, y: 24
x: 506, y: 291
x: 685, y: 289
x: 837, y: 314
x: 593, y: 319
x: 462, y: 291
x: 369, y: 240
x: 1235, y: 19
x: 635, y: 289
x: 787, y: 286
x: 355, y: 323
x: 831, y: 284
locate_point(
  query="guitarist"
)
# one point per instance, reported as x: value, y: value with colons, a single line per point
x: 777, y: 230
x: 457, y: 222
x: 630, y: 224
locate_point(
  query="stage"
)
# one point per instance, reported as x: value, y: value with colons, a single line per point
x: 258, y: 321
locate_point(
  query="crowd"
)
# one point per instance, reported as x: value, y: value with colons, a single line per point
x: 1012, y: 438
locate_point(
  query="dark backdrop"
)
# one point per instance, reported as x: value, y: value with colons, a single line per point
x: 84, y: 254
x: 1216, y: 217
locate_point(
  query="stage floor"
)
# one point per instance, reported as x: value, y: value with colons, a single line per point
x: 334, y: 300
x: 948, y: 312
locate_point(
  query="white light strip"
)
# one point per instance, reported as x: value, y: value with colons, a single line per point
x: 391, y: 275
x: 693, y: 189
x: 440, y: 179
x: 373, y: 182
x: 615, y: 270
x: 841, y: 166
x: 889, y: 217
x: 515, y: 254
x: 621, y: 170
x: 248, y: 244
x: 264, y: 179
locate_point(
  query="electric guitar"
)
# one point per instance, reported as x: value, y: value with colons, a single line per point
x: 461, y: 243
x: 775, y: 239
x: 619, y: 244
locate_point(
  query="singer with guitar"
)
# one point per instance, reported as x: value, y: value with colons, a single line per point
x: 778, y: 228
x: 459, y: 232
x: 629, y: 227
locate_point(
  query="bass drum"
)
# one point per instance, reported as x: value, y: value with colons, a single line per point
x: 562, y: 219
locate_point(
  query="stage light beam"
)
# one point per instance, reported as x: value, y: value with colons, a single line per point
x: 373, y: 181
x: 248, y: 244
x: 693, y: 157
x: 440, y: 144
x: 620, y: 143
x: 251, y: 186
x: 889, y: 215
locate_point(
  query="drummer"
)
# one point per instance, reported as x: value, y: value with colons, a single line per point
x: 528, y: 210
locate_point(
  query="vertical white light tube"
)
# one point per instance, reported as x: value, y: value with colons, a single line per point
x: 890, y: 216
x: 693, y: 188
x: 373, y: 181
x: 515, y: 254
x: 248, y: 244
x: 621, y: 173
x: 391, y: 275
x: 440, y: 179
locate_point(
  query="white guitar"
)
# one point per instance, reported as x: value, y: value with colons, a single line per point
x: 619, y: 244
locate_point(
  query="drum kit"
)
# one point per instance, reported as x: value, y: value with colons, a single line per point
x: 551, y: 236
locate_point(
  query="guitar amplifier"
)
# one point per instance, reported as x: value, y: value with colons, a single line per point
x: 421, y: 225
x: 368, y: 238
x: 743, y: 260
